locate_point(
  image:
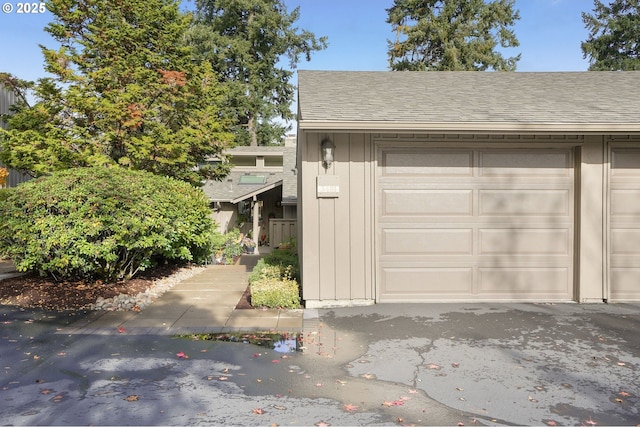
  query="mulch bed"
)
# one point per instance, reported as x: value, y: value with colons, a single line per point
x: 245, y: 300
x: 33, y: 291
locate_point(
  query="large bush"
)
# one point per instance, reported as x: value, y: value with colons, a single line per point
x: 104, y: 222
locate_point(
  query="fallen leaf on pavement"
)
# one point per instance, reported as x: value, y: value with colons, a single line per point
x: 433, y: 366
x: 258, y: 411
x: 132, y: 398
x: 349, y: 407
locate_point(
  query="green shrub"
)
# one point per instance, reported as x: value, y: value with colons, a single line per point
x: 274, y: 279
x: 282, y: 260
x: 226, y: 247
x: 271, y: 289
x: 105, y: 223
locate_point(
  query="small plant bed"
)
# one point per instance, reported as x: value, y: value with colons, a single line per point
x: 283, y: 342
x: 273, y: 283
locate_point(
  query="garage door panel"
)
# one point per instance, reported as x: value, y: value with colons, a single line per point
x: 536, y: 282
x: 625, y: 162
x: 427, y: 202
x: 625, y: 241
x: 427, y: 281
x: 443, y: 163
x: 529, y: 242
x: 427, y: 241
x: 526, y: 164
x: 524, y: 202
x: 504, y: 230
x: 627, y: 283
x: 625, y: 202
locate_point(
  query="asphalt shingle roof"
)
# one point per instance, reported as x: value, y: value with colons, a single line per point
x: 469, y: 97
x: 231, y: 190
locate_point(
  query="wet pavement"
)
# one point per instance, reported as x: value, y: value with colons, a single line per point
x: 395, y: 364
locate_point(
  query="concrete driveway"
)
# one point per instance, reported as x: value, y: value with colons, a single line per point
x: 395, y: 364
x: 519, y: 364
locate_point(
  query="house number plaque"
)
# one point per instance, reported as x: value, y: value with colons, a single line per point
x: 328, y: 186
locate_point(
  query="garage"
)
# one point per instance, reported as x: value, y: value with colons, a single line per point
x: 624, y: 245
x: 468, y: 186
x: 475, y: 224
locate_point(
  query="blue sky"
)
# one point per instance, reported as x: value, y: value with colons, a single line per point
x: 550, y: 33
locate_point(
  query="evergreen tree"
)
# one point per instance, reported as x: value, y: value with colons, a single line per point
x: 454, y: 35
x: 125, y: 91
x: 614, y: 36
x: 245, y: 41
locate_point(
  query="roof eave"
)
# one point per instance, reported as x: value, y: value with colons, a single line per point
x: 470, y: 127
x: 257, y: 192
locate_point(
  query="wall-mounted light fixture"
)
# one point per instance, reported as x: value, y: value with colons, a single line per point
x: 327, y: 148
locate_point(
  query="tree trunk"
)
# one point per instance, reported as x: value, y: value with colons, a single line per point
x: 252, y: 126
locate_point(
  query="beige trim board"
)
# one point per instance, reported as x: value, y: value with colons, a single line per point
x: 479, y: 127
x: 334, y: 303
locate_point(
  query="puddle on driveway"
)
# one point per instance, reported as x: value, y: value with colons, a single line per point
x: 281, y: 342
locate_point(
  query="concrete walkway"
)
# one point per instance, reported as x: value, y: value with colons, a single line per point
x: 204, y: 303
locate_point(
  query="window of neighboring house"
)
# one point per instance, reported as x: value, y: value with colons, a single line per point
x: 273, y: 161
x: 243, y: 161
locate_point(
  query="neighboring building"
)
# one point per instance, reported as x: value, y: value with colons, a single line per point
x: 469, y: 186
x: 7, y: 99
x: 259, y: 196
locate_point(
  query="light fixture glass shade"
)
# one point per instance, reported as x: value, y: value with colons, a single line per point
x: 327, y: 148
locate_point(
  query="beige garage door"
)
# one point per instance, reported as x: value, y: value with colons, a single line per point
x: 475, y: 224
x: 624, y: 243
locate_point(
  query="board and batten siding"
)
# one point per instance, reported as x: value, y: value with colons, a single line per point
x: 337, y: 235
x: 337, y: 238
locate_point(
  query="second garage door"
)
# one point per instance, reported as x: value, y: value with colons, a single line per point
x: 624, y: 245
x: 474, y: 224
